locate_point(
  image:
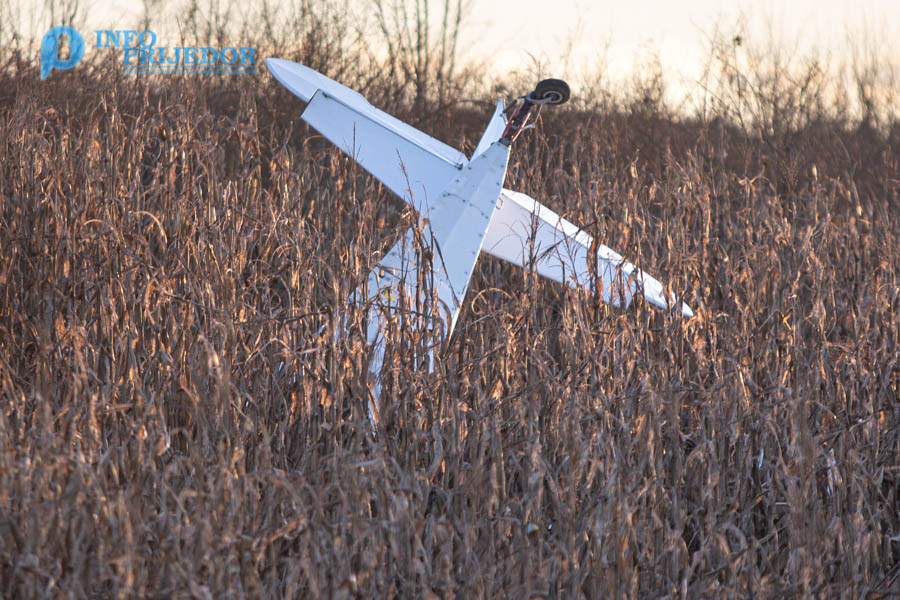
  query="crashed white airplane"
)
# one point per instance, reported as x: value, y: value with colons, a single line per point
x: 463, y: 209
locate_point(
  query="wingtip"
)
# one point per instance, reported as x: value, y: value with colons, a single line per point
x: 654, y: 293
x: 277, y: 68
x: 274, y: 63
x: 298, y: 79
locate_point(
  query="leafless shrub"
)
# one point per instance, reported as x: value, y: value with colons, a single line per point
x: 767, y: 88
x: 421, y: 45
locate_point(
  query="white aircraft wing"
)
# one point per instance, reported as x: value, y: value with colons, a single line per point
x: 522, y: 228
x: 412, y: 164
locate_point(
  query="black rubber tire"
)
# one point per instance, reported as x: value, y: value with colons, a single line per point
x: 553, y: 91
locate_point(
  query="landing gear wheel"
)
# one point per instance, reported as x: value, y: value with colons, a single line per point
x: 550, y: 91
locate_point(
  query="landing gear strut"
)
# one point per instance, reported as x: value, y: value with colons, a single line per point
x: 548, y: 91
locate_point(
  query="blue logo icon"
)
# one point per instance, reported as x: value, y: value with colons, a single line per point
x: 50, y: 50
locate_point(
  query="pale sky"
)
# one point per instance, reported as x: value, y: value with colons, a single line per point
x: 621, y: 34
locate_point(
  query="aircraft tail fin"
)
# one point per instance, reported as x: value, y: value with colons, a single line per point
x: 493, y: 131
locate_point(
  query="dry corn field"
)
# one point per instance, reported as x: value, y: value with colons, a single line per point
x: 174, y: 421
